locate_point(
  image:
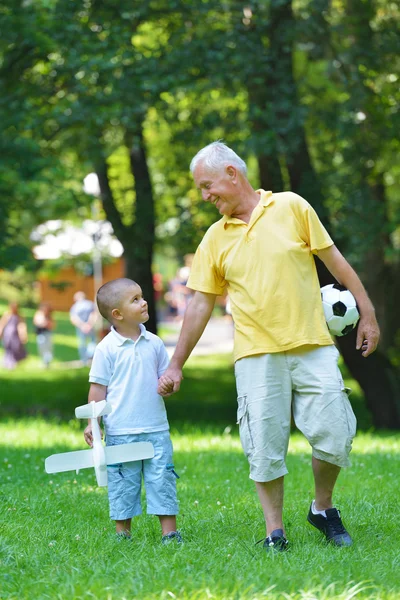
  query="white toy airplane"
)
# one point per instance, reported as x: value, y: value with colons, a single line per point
x: 99, y: 456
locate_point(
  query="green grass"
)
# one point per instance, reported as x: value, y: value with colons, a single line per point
x: 56, y: 540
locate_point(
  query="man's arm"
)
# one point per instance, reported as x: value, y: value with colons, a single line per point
x: 368, y: 328
x: 196, y: 318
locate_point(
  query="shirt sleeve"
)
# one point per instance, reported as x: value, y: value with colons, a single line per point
x: 204, y: 274
x: 101, y: 368
x: 163, y: 359
x: 312, y: 231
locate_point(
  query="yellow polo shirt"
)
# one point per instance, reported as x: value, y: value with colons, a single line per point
x: 267, y: 267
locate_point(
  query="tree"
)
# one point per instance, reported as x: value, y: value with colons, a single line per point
x: 362, y: 63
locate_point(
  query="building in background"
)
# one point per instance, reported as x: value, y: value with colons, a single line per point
x: 62, y: 239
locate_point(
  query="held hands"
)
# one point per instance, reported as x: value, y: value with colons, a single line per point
x: 87, y: 434
x: 367, y: 334
x: 170, y: 382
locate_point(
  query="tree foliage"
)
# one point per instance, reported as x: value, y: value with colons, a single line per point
x: 306, y: 91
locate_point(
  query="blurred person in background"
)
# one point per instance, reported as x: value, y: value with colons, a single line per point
x: 178, y: 295
x: 13, y: 333
x: 83, y: 315
x: 44, y: 325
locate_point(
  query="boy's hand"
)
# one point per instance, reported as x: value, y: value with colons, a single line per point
x: 165, y: 386
x: 87, y: 434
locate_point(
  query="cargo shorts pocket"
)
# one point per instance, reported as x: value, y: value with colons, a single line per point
x: 351, y: 419
x: 244, y: 425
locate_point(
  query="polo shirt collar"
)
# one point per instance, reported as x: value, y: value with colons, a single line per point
x: 266, y: 197
x: 121, y: 339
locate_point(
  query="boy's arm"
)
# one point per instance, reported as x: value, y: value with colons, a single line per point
x: 368, y: 328
x: 97, y: 392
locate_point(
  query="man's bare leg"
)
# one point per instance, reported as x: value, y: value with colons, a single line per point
x: 325, y: 476
x: 329, y: 522
x: 270, y: 494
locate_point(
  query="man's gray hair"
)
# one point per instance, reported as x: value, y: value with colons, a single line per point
x: 216, y: 155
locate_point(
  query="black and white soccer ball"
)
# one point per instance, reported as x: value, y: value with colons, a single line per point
x: 340, y: 309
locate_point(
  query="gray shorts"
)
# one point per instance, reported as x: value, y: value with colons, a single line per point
x: 125, y: 479
x: 306, y: 380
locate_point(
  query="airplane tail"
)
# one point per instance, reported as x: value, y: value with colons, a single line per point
x: 93, y: 410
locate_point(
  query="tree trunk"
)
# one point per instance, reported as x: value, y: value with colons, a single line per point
x: 138, y: 238
x: 378, y: 379
x: 290, y: 126
x: 139, y: 244
x: 270, y: 172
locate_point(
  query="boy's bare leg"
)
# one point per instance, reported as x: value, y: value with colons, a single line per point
x: 325, y: 476
x: 270, y: 494
x: 168, y: 523
x: 123, y: 526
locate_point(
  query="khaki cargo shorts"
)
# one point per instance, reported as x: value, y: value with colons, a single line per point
x: 308, y: 382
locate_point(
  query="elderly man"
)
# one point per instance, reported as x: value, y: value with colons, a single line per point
x: 261, y: 252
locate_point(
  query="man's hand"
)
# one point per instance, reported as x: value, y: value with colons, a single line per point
x: 165, y: 386
x: 368, y: 328
x: 88, y: 435
x: 170, y: 382
x: 367, y: 335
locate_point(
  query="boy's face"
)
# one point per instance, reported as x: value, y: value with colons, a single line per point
x: 132, y: 307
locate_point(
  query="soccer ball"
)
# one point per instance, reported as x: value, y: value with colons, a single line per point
x: 340, y: 309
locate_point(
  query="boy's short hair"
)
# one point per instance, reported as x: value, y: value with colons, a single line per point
x: 109, y: 295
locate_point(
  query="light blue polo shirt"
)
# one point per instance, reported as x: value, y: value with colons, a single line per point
x: 130, y: 370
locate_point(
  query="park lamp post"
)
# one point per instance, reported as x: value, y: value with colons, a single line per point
x: 91, y: 187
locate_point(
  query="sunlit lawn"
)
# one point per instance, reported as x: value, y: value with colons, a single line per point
x: 56, y: 540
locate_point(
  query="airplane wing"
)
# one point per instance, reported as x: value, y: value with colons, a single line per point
x: 69, y: 461
x: 128, y: 452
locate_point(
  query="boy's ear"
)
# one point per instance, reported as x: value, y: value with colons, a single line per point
x: 116, y: 314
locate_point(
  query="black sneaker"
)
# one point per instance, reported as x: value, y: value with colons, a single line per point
x: 172, y: 536
x: 331, y: 526
x: 276, y: 541
x: 123, y: 535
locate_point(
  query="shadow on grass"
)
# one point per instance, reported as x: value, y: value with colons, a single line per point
x: 207, y: 395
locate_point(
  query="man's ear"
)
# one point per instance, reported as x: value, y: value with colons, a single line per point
x: 116, y: 314
x: 232, y: 173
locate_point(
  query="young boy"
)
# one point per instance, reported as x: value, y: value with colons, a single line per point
x: 125, y: 370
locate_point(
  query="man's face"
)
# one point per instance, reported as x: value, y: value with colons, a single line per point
x: 133, y: 307
x: 217, y: 187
